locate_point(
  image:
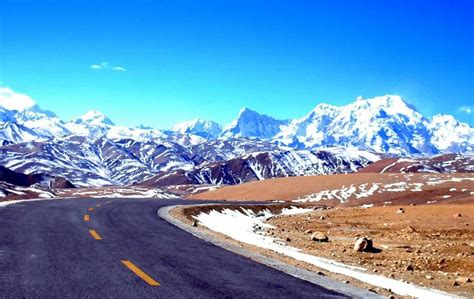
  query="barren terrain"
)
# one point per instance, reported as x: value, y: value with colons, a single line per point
x: 430, y: 245
x: 354, y: 189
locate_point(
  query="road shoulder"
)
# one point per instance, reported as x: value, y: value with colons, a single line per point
x: 321, y: 280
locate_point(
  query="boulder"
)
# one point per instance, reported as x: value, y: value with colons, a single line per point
x: 363, y: 244
x: 319, y: 237
x: 464, y: 279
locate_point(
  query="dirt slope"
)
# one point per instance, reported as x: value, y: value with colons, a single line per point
x: 354, y: 189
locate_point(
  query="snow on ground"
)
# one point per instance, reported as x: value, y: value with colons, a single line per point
x: 294, y: 211
x: 126, y: 193
x: 12, y: 202
x: 206, y: 188
x: 367, y: 189
x: 249, y: 227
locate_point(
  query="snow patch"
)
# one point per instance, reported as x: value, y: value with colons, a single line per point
x: 248, y: 227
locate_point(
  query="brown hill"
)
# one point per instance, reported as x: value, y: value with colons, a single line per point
x: 448, y: 163
x: 354, y: 189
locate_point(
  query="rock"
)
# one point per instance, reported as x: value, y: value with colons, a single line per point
x: 320, y: 273
x: 409, y: 229
x: 429, y: 277
x: 363, y: 244
x: 409, y: 268
x: 288, y: 239
x: 322, y: 218
x: 319, y: 237
x: 345, y: 281
x: 455, y: 283
x: 308, y: 231
x: 464, y: 279
x: 401, y: 210
x: 195, y: 223
x: 457, y: 215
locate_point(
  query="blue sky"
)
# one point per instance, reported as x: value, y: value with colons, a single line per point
x: 184, y: 59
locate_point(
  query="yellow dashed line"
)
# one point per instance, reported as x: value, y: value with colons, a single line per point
x: 140, y: 273
x: 87, y: 217
x: 95, y: 235
x: 90, y: 209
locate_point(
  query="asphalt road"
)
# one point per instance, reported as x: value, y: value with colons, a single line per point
x: 47, y: 250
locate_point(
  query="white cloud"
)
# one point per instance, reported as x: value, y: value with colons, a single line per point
x: 467, y: 109
x: 119, y: 69
x: 11, y: 100
x: 107, y: 66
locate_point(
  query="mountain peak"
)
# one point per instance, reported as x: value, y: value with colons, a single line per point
x: 250, y: 123
x: 93, y: 117
x: 389, y: 100
x: 246, y: 110
x: 11, y: 100
x: 443, y: 118
x: 321, y: 107
x: 200, y: 127
x: 390, y: 104
x: 143, y: 127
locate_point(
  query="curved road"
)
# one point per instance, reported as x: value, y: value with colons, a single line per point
x: 50, y: 249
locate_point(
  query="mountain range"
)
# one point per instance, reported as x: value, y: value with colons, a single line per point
x: 92, y: 150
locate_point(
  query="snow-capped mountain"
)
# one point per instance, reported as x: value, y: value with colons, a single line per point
x: 91, y: 150
x: 252, y: 124
x: 265, y: 165
x: 44, y: 123
x: 95, y: 124
x: 310, y: 130
x: 11, y: 132
x: 93, y: 118
x: 204, y: 128
x: 103, y: 161
x: 386, y: 124
x: 450, y: 135
x: 92, y: 124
